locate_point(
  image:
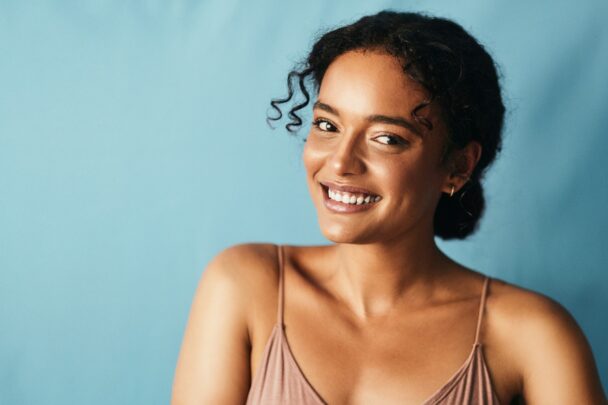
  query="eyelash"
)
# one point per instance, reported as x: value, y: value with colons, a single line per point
x: 397, y: 139
x: 320, y: 121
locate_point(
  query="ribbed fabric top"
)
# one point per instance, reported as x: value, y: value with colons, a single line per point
x: 279, y: 379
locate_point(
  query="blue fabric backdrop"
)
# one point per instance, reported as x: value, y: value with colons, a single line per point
x: 133, y: 147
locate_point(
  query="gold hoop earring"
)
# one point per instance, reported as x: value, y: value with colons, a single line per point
x: 452, y: 191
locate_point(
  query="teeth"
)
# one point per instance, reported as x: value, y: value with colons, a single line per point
x: 348, y: 198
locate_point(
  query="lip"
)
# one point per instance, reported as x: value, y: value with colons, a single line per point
x: 340, y: 207
x: 349, y: 189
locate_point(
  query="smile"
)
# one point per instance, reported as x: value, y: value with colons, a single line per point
x: 343, y: 199
x: 349, y: 198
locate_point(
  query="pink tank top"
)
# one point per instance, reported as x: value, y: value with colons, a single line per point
x: 279, y: 379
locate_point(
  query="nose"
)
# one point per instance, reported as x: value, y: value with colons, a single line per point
x: 346, y: 157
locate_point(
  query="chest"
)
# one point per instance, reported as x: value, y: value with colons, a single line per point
x: 406, y: 359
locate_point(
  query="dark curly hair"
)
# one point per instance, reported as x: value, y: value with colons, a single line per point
x: 458, y: 74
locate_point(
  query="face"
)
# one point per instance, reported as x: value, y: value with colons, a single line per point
x: 374, y: 174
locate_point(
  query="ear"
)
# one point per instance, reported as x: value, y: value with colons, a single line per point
x: 461, y: 165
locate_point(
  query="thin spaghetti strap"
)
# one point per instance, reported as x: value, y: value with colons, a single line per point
x: 481, y: 309
x: 281, y: 288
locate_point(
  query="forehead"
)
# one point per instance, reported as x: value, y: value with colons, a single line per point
x: 370, y: 82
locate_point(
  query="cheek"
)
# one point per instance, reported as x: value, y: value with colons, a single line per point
x: 312, y: 157
x: 413, y: 180
x: 308, y: 159
x: 399, y: 174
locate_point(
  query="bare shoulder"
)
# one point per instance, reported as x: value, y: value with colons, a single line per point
x: 530, y: 310
x: 244, y: 263
x: 213, y: 364
x: 531, y: 315
x: 251, y: 271
x: 546, y: 345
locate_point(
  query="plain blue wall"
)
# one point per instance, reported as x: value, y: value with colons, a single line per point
x: 133, y: 147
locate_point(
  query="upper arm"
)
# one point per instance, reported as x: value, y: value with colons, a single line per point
x: 557, y: 362
x: 213, y: 364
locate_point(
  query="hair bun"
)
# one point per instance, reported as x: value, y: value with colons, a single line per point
x: 457, y: 217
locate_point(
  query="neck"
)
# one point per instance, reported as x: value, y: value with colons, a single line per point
x: 371, y: 279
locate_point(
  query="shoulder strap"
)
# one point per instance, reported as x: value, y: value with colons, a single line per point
x: 281, y: 288
x: 481, y: 308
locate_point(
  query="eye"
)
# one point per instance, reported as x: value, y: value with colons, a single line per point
x: 324, y: 125
x: 387, y: 139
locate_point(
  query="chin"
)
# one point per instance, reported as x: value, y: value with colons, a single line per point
x: 340, y: 234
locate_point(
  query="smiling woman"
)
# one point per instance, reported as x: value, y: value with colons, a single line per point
x: 407, y: 117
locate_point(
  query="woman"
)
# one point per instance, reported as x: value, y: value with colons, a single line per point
x: 407, y: 117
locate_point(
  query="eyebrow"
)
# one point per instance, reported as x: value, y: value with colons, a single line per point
x: 385, y: 119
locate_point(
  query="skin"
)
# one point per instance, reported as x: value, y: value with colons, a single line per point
x: 402, y: 314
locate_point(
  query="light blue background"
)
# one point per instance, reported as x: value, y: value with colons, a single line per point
x: 133, y: 148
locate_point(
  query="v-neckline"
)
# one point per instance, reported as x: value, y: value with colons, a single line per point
x: 437, y: 395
